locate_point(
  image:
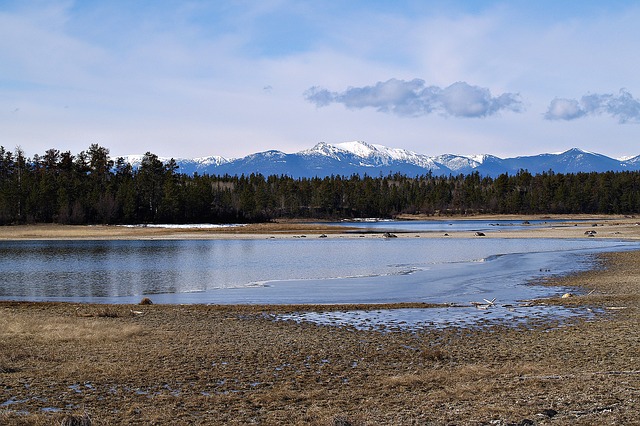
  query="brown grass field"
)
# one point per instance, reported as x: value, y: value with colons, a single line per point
x: 169, y: 364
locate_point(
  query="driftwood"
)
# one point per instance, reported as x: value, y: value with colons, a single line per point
x: 83, y: 314
x: 593, y: 373
x: 484, y: 305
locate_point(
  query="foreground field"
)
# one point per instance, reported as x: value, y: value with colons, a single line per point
x: 157, y: 364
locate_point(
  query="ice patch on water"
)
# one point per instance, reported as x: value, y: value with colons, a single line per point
x: 416, y: 319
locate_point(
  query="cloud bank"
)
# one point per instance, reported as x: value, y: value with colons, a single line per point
x: 623, y: 107
x: 414, y: 98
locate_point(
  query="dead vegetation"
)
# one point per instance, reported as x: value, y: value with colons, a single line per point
x: 233, y: 365
x: 67, y: 327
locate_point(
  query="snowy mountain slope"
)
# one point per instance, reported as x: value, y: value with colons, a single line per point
x: 458, y: 163
x: 365, y: 155
x: 633, y: 162
x: 186, y: 165
x: 572, y: 161
x: 324, y: 160
x: 361, y: 158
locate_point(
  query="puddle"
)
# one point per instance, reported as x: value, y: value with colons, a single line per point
x: 12, y: 401
x: 416, y: 319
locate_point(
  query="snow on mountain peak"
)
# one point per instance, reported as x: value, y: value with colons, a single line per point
x: 359, y: 148
x: 322, y: 148
x: 374, y: 155
x: 356, y: 157
x: 214, y: 160
x: 459, y: 162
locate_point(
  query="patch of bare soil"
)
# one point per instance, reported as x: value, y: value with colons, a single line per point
x: 163, y: 364
x: 112, y: 232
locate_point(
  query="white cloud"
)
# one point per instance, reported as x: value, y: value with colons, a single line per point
x: 414, y: 98
x: 564, y: 109
x: 623, y: 106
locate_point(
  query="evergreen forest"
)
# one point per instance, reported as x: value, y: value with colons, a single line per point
x: 92, y: 188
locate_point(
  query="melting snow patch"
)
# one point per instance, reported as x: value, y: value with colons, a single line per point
x: 415, y: 319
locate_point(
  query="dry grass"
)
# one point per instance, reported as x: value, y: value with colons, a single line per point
x: 15, y: 326
x: 76, y: 419
x: 82, y: 419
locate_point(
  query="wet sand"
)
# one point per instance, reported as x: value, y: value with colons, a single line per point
x: 167, y: 364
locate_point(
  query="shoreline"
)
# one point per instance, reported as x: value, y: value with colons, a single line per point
x: 612, y: 227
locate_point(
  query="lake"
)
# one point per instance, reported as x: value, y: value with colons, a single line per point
x: 377, y: 225
x: 304, y: 270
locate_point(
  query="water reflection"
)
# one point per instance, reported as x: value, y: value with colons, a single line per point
x: 285, y: 271
x: 453, y: 225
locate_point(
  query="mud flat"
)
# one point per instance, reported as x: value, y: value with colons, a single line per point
x: 163, y: 364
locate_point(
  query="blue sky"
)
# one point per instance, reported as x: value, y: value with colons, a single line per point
x: 199, y: 78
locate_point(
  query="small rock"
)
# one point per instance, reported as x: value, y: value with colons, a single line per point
x: 479, y: 234
x: 567, y: 295
x: 341, y: 421
x: 549, y: 412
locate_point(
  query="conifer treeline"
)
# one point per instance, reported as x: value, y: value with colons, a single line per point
x: 90, y: 187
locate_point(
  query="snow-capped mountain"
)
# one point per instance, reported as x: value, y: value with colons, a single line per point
x: 186, y: 165
x: 633, y: 162
x: 361, y: 158
x: 362, y: 154
x: 459, y: 163
x: 572, y: 161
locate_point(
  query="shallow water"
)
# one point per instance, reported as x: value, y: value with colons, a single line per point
x: 410, y: 319
x: 312, y: 270
x: 453, y: 225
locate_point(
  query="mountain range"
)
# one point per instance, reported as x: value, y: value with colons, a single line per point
x: 361, y: 158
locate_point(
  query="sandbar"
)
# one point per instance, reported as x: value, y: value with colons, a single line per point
x: 576, y: 226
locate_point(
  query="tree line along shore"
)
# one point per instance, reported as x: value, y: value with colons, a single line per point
x: 92, y: 188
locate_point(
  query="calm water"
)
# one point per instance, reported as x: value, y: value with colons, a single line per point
x: 452, y: 225
x: 311, y: 270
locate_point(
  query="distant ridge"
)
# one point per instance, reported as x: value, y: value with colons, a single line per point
x: 361, y: 158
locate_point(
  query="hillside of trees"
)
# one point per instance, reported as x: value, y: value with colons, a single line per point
x: 92, y: 188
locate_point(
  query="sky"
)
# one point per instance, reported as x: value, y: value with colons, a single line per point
x: 190, y: 78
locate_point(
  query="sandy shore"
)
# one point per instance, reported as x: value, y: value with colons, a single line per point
x: 616, y: 227
x: 235, y: 365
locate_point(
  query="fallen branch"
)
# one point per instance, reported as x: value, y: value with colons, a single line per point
x: 593, y: 373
